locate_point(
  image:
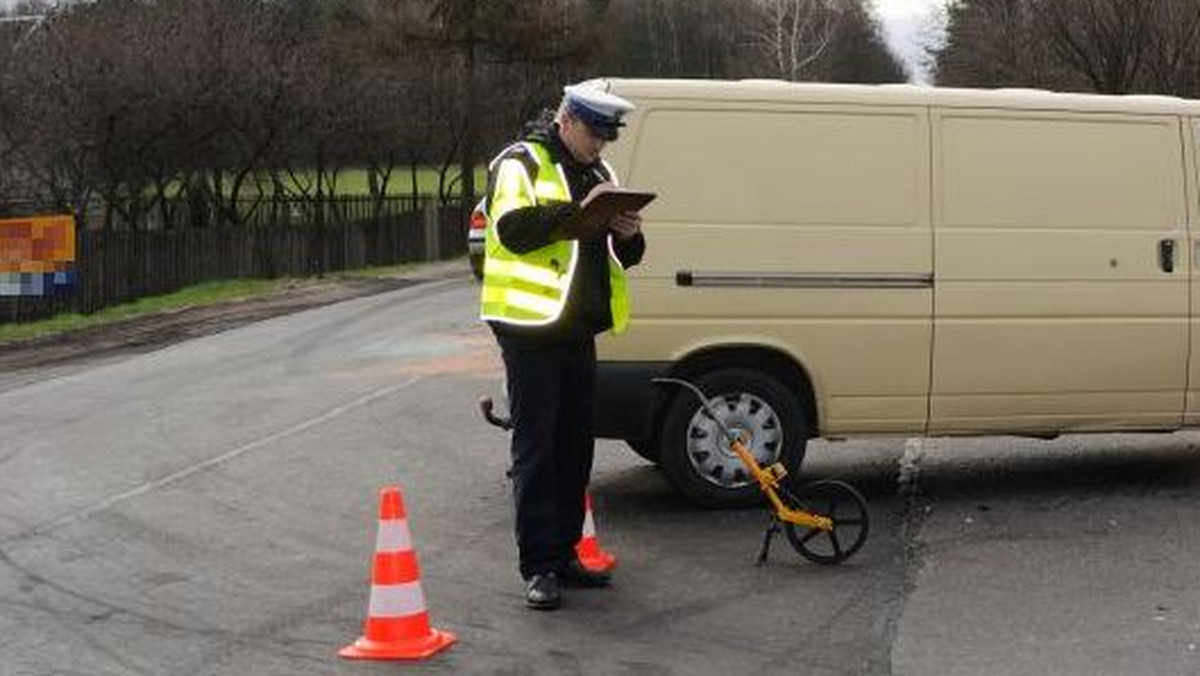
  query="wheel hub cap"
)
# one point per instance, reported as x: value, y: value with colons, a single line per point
x: 746, y: 415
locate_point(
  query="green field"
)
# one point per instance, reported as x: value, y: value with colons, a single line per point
x: 351, y: 182
x: 205, y: 293
x: 354, y: 181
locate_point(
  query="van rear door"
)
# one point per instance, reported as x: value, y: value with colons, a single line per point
x: 1061, y: 300
x: 1192, y: 146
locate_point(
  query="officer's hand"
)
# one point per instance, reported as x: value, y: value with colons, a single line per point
x: 626, y: 224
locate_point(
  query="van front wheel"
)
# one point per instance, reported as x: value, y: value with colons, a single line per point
x: 698, y: 460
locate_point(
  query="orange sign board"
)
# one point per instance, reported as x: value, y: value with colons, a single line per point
x: 37, y: 254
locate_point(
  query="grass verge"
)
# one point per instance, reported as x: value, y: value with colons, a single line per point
x: 198, y: 295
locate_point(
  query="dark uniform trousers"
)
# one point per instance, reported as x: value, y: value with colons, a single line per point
x: 551, y: 395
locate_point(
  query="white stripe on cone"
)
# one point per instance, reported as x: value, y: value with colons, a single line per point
x: 589, y: 526
x: 396, y: 600
x: 393, y: 536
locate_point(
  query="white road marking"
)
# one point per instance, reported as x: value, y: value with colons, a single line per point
x: 193, y: 470
x: 910, y: 465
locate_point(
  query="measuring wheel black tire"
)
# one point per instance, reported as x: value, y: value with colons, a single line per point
x: 836, y: 500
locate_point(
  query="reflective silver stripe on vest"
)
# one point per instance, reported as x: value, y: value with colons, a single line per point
x: 566, y: 185
x: 396, y: 600
x: 526, y: 272
x: 612, y: 173
x: 534, y: 303
x: 804, y: 281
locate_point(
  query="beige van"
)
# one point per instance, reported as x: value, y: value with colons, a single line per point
x: 834, y: 261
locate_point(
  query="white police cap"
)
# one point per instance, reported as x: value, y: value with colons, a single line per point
x: 599, y: 109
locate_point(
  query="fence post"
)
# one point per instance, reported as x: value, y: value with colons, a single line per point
x: 432, y: 231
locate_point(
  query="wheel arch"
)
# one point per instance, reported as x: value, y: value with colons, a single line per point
x: 768, y: 359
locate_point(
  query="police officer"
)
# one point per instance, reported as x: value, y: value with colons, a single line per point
x: 545, y: 298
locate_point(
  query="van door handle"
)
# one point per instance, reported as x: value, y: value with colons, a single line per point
x: 1166, y: 255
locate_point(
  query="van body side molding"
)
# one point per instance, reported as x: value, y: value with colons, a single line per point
x: 804, y: 281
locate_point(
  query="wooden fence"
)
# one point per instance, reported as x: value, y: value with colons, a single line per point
x: 117, y: 267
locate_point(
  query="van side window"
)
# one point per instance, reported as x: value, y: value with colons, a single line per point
x: 1100, y: 172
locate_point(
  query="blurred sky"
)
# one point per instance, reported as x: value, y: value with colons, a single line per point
x: 909, y: 25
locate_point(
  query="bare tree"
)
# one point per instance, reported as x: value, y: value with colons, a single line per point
x: 1173, y: 60
x: 1105, y: 40
x: 857, y: 52
x: 793, y: 34
x: 791, y: 39
x: 157, y: 106
x: 486, y: 39
x: 1106, y: 46
x: 998, y: 43
x: 668, y: 38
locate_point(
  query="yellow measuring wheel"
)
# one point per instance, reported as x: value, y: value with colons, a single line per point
x: 826, y: 521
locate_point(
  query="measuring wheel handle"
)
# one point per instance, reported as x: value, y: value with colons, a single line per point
x: 845, y: 507
x: 486, y: 407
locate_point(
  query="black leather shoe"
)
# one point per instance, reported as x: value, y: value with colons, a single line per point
x: 541, y: 592
x: 575, y: 575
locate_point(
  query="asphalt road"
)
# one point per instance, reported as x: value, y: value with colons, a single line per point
x: 210, y: 508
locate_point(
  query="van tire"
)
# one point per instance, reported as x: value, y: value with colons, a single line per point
x: 757, y: 402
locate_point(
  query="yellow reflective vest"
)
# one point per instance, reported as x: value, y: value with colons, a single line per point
x: 531, y: 289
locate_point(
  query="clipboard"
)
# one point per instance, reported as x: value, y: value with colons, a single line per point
x: 594, y: 218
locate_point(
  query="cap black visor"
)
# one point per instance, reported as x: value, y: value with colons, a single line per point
x: 606, y: 132
x: 600, y: 125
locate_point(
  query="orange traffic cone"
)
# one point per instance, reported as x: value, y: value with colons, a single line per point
x: 397, y: 624
x: 588, y: 548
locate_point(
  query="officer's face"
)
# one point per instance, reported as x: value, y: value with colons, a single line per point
x: 585, y: 146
